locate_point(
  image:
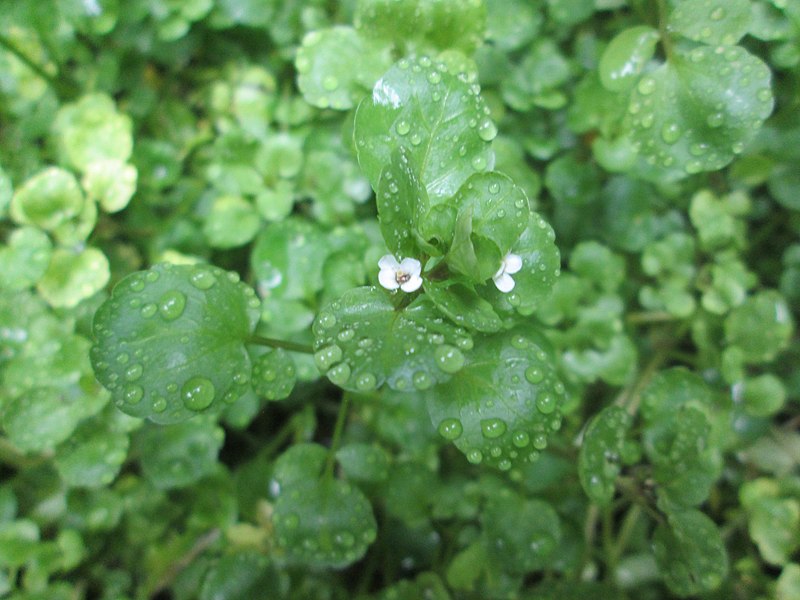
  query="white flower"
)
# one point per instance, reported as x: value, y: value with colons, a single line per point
x: 403, y: 274
x: 511, y: 264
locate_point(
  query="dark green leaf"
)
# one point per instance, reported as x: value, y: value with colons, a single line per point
x: 601, y: 452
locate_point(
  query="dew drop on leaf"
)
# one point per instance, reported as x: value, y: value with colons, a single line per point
x: 448, y: 358
x: 450, y: 429
x: 171, y: 305
x: 197, y: 393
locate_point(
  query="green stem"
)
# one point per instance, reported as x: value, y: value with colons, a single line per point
x: 589, y: 531
x: 666, y: 40
x: 273, y: 343
x: 608, y: 541
x: 58, y: 86
x: 625, y: 531
x: 344, y: 408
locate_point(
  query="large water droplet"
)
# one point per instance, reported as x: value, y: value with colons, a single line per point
x: 421, y: 380
x: 339, y: 374
x: 133, y: 372
x: 330, y: 83
x: 475, y: 456
x: 546, y: 403
x: 715, y: 120
x: 450, y: 429
x: 202, y: 279
x: 171, y: 305
x: 133, y: 394
x: 366, y: 382
x: 327, y: 357
x: 197, y: 393
x: 403, y: 127
x: 448, y: 358
x: 326, y: 320
x: 487, y: 130
x: 670, y: 133
x: 520, y: 439
x: 534, y: 374
x: 493, y: 428
x: 646, y: 86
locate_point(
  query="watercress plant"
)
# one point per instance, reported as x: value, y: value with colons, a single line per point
x: 399, y: 299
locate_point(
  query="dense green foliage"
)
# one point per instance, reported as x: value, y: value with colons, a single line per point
x: 399, y: 299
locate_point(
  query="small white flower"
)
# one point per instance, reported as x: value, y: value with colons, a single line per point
x: 404, y: 274
x: 511, y: 264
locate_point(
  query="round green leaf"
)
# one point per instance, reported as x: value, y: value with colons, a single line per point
x: 337, y: 66
x: 711, y: 21
x: 690, y: 553
x: 599, y: 461
x: 363, y: 462
x: 48, y: 199
x: 625, y: 57
x: 697, y: 111
x: 773, y: 520
x: 232, y: 222
x: 92, y: 456
x: 326, y: 523
x: 174, y: 456
x: 74, y: 276
x: 762, y: 326
x: 520, y: 535
x: 274, y: 374
x: 438, y: 116
x: 362, y: 342
x: 463, y: 305
x: 91, y: 129
x: 301, y: 462
x: 504, y: 403
x: 111, y: 182
x: 170, y: 341
x: 43, y: 417
x: 24, y: 260
x: 245, y: 574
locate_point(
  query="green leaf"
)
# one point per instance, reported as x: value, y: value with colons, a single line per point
x: 710, y: 21
x: 761, y: 327
x: 48, y: 199
x: 698, y: 110
x: 520, y: 535
x: 43, y: 417
x: 626, y: 56
x: 111, y: 182
x: 362, y: 342
x: 599, y: 461
x: 24, y: 260
x: 773, y: 519
x: 337, y: 66
x: 326, y: 523
x: 91, y: 129
x: 510, y: 24
x: 504, y: 403
x: 170, y: 341
x: 424, y: 25
x: 788, y: 585
x: 72, y: 276
x: 274, y: 374
x: 690, y: 553
x: 491, y: 215
x: 175, y: 456
x: 462, y: 305
x: 301, y: 462
x: 401, y: 201
x: 421, y: 105
x: 93, y: 455
x: 232, y: 222
x: 763, y: 395
x: 363, y: 462
x: 244, y: 574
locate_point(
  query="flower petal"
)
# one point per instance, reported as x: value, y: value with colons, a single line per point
x: 512, y: 263
x: 388, y: 279
x: 504, y: 282
x: 388, y: 261
x: 410, y: 266
x: 412, y: 285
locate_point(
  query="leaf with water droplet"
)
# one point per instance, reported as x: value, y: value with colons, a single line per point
x: 436, y: 113
x: 245, y: 573
x: 191, y: 348
x: 492, y: 212
x: 94, y: 453
x: 626, y: 56
x: 388, y: 345
x: 714, y: 22
x: 697, y: 111
x: 175, y: 456
x: 690, y: 552
x: 363, y: 462
x: 600, y: 458
x: 506, y: 409
x: 274, y: 374
x: 462, y: 304
x: 24, y: 259
x: 48, y: 199
x: 337, y: 66
x: 323, y: 523
x: 762, y: 326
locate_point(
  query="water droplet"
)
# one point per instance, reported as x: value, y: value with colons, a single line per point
x: 344, y: 539
x: 475, y: 456
x: 520, y: 439
x: 737, y: 147
x: 148, y: 310
x: 330, y: 83
x: 137, y: 285
x: 450, y: 429
x: 487, y: 130
x: 646, y: 86
x: 366, y: 382
x: 302, y: 63
x: 694, y: 166
x: 202, y: 279
x: 416, y: 138
x: 133, y: 372
x: 546, y: 403
x: 123, y: 358
x: 717, y: 14
x: 403, y: 127
x: 465, y: 343
x: 434, y: 77
x: 493, y: 428
x: 540, y: 441
x: 494, y: 187
x: 421, y: 380
x: 715, y: 120
x: 291, y: 521
x: 479, y: 162
x: 159, y: 404
x: 133, y: 394
x: 326, y: 320
x: 504, y: 465
x: 345, y: 335
x: 520, y: 342
x: 197, y: 393
x: 534, y: 374
x: 339, y: 374
x: 327, y: 357
x: 670, y: 133
x: 765, y: 94
x: 171, y: 305
x: 448, y: 358
x: 647, y: 121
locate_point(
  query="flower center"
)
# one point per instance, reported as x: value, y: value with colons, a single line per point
x: 401, y: 277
